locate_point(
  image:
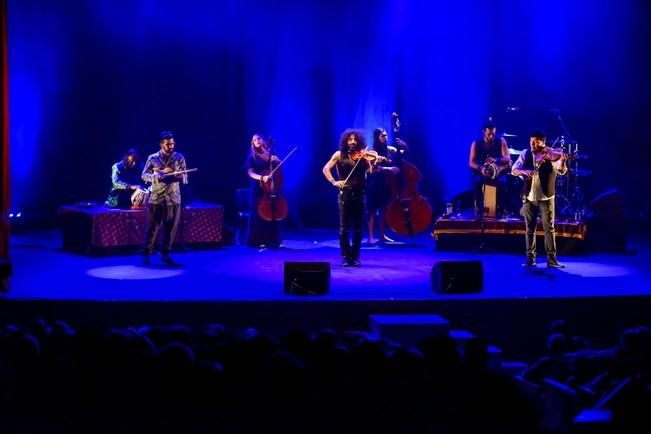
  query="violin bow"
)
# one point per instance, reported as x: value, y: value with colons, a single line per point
x: 284, y: 159
x: 356, y: 163
x: 159, y: 175
x: 178, y: 172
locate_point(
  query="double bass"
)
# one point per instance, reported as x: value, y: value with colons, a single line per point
x: 408, y: 213
x: 271, y: 205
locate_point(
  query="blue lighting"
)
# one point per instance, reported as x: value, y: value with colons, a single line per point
x: 100, y: 77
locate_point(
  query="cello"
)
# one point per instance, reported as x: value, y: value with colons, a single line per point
x: 271, y: 205
x: 408, y: 213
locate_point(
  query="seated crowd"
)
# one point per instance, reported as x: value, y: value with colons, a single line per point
x: 585, y: 376
x: 55, y: 378
x: 58, y: 379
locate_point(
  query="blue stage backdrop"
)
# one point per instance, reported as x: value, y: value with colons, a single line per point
x: 92, y: 78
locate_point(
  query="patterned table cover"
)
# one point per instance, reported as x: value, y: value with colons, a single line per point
x: 99, y: 227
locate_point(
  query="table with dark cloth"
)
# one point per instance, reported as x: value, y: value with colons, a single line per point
x: 90, y: 227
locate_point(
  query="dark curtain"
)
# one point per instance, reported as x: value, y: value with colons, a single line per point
x: 91, y: 79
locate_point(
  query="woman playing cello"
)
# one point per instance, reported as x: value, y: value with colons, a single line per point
x: 261, y: 160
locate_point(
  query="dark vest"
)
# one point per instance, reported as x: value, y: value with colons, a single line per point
x: 494, y: 151
x: 345, y: 166
x: 545, y: 172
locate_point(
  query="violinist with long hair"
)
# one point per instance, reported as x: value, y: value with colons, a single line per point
x: 352, y: 162
x: 260, y: 233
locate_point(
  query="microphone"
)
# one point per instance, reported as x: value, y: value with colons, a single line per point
x: 514, y: 108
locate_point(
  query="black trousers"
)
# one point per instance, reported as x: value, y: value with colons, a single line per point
x: 167, y: 216
x: 530, y: 211
x: 351, y: 219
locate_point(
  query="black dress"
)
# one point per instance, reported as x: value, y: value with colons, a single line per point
x: 378, y: 193
x: 260, y: 231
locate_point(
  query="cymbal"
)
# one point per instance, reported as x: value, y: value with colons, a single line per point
x: 515, y: 151
x: 563, y: 140
x: 509, y: 135
x: 582, y: 172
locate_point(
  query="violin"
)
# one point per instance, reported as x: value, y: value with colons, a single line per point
x: 371, y: 156
x: 550, y: 154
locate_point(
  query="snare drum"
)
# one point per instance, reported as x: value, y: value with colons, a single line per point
x: 140, y: 198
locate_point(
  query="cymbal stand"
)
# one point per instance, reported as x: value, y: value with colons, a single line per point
x: 574, y: 196
x: 577, y: 198
x: 563, y: 203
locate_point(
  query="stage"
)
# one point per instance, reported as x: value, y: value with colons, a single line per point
x: 43, y: 271
x: 242, y: 286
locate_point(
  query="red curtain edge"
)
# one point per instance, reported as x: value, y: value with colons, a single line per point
x: 4, y: 181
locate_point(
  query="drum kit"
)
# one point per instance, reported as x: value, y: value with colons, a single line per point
x: 570, y: 200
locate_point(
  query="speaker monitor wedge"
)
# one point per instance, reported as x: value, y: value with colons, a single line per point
x: 307, y: 278
x: 457, y: 277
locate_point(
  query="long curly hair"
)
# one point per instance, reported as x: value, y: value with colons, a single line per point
x: 343, y: 140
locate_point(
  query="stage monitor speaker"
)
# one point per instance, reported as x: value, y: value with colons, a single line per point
x: 457, y: 277
x: 307, y: 278
x: 607, y: 226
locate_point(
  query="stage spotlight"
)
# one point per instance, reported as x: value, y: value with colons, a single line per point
x: 132, y: 272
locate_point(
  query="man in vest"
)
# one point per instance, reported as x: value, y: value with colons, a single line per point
x: 539, y: 167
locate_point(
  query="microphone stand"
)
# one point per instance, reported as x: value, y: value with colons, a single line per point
x: 560, y: 121
x: 482, y: 245
x: 482, y: 232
